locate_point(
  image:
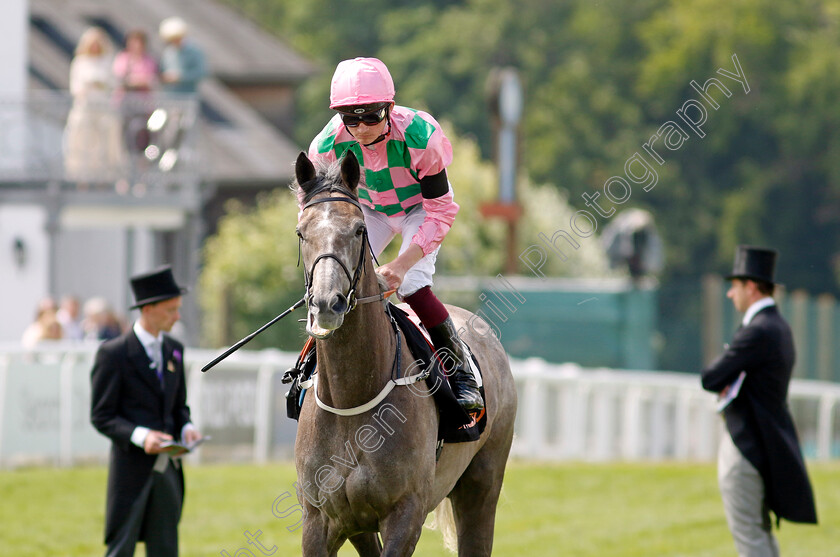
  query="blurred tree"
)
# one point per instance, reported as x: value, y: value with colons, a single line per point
x: 250, y: 274
x: 600, y: 78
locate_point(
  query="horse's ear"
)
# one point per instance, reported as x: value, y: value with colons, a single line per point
x: 304, y: 170
x: 350, y: 170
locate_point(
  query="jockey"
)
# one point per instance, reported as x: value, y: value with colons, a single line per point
x: 403, y: 190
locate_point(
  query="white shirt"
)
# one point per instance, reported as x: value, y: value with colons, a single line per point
x: 138, y: 436
x: 146, y: 339
x: 757, y: 306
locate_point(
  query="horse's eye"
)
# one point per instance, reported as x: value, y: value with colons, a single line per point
x: 360, y: 230
x: 299, y: 235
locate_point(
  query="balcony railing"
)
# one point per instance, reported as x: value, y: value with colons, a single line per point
x: 132, y: 144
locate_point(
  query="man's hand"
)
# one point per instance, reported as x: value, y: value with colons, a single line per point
x: 191, y: 436
x: 153, y: 440
x: 394, y: 272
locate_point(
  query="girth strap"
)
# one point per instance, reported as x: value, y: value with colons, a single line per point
x: 389, y: 386
x: 355, y: 411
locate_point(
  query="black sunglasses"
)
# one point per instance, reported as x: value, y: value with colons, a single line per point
x: 369, y: 118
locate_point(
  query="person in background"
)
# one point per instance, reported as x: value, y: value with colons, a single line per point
x: 136, y: 73
x: 100, y: 322
x: 182, y: 63
x: 760, y: 464
x: 68, y: 316
x: 139, y: 401
x: 92, y: 145
x: 44, y: 327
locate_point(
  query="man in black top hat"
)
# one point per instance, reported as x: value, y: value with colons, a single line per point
x: 139, y: 401
x: 760, y: 465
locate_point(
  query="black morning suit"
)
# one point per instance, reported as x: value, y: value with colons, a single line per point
x: 126, y: 393
x: 758, y: 420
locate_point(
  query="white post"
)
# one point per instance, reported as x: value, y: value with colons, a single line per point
x: 195, y: 381
x: 4, y: 367
x: 65, y: 410
x: 262, y: 412
x: 631, y: 423
x: 603, y: 420
x: 535, y: 416
x: 682, y: 423
x: 14, y: 27
x: 825, y: 433
x: 578, y: 419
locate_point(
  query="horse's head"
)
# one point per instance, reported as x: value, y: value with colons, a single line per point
x: 333, y: 240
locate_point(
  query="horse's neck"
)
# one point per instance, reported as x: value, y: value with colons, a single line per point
x: 355, y: 363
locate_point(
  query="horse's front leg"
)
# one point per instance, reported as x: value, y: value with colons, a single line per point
x: 317, y: 539
x: 367, y: 545
x: 402, y: 527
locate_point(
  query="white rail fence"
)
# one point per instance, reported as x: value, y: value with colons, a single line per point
x: 565, y: 412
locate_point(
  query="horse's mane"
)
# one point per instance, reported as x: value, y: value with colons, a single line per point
x: 327, y: 178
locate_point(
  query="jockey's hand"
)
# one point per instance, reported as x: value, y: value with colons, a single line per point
x: 394, y: 272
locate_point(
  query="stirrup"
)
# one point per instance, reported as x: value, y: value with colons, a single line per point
x: 296, y: 370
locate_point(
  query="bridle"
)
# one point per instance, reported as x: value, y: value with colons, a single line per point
x: 352, y: 300
x: 357, y: 274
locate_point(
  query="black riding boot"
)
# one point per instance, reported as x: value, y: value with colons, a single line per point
x: 462, y: 381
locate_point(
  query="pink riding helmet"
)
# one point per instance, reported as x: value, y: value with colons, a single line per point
x: 361, y: 81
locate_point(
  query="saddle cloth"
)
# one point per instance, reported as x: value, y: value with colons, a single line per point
x: 456, y: 424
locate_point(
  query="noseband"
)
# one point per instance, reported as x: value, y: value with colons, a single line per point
x: 354, y: 280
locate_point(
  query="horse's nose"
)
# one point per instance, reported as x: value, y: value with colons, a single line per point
x: 339, y: 303
x: 336, y: 304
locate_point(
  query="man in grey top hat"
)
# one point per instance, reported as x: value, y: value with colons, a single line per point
x: 139, y: 401
x: 760, y: 465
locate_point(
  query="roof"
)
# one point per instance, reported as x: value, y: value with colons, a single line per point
x: 236, y: 48
x: 236, y: 143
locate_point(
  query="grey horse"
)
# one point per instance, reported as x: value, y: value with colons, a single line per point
x: 365, y: 451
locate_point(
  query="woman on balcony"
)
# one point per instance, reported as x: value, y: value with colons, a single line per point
x: 92, y: 139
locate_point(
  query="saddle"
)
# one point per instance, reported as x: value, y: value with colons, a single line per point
x: 456, y: 425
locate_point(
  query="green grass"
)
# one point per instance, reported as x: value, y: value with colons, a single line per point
x: 577, y: 510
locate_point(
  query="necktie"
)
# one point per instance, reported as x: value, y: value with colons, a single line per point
x: 157, y: 360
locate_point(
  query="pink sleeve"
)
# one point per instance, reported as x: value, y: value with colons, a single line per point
x: 316, y: 157
x: 440, y: 214
x: 437, y: 154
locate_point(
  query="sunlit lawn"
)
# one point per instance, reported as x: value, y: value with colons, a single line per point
x: 580, y: 510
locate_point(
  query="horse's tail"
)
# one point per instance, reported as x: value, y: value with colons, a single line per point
x: 444, y: 520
